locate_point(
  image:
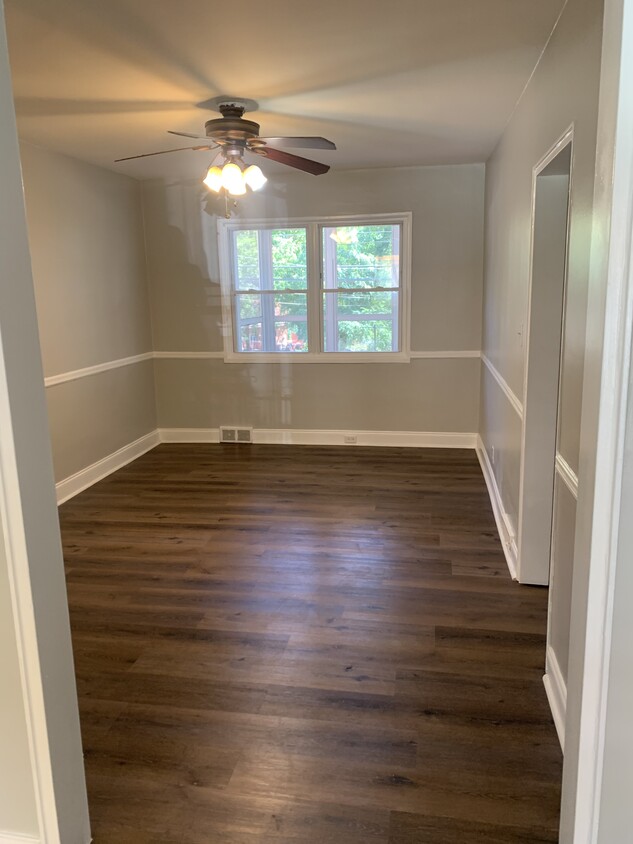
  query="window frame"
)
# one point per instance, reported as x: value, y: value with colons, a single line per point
x: 314, y: 248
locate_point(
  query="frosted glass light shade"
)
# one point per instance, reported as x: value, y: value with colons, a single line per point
x: 254, y: 177
x: 213, y: 179
x: 233, y: 180
x: 345, y: 236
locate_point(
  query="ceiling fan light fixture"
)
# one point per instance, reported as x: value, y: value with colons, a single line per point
x: 344, y: 236
x: 233, y: 179
x: 254, y: 177
x: 213, y: 179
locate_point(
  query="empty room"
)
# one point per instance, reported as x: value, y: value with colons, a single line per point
x: 315, y: 329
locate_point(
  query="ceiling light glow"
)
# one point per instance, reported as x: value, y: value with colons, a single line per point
x: 213, y: 179
x: 233, y: 180
x: 254, y: 177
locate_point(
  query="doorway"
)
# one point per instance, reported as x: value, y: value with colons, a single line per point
x: 550, y: 220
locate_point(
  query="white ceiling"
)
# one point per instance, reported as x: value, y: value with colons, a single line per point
x: 391, y: 83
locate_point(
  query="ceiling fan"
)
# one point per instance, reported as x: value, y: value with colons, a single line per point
x: 234, y: 136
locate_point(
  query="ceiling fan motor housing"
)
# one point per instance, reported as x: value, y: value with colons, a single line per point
x: 232, y: 126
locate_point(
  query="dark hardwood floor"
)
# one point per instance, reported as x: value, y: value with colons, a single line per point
x: 298, y: 645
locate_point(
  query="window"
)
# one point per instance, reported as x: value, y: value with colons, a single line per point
x: 270, y: 274
x: 306, y: 289
x: 361, y: 284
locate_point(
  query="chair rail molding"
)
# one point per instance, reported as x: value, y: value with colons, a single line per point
x: 87, y: 371
x: 567, y: 474
x: 96, y: 369
x: 501, y: 381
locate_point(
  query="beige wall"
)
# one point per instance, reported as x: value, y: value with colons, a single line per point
x: 95, y: 416
x: 425, y: 395
x: 562, y: 91
x: 87, y: 247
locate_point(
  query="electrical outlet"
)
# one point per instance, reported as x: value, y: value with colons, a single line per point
x: 350, y: 440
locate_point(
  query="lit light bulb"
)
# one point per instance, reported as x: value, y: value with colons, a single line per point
x: 233, y: 180
x: 344, y: 236
x: 254, y: 177
x: 213, y: 179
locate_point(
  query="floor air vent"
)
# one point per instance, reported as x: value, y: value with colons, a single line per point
x: 236, y: 435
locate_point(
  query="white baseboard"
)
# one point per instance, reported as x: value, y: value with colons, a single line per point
x: 97, y: 471
x: 556, y: 693
x: 76, y: 483
x: 285, y: 436
x: 504, y: 526
x: 16, y: 838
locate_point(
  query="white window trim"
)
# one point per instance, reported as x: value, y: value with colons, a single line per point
x: 225, y: 227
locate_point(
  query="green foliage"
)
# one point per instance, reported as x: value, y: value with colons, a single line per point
x: 290, y: 262
x: 367, y: 260
x: 374, y: 336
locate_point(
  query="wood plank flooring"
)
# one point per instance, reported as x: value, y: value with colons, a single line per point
x: 306, y: 645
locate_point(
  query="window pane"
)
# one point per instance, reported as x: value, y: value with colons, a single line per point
x: 374, y: 335
x: 291, y: 331
x: 361, y: 321
x: 246, y: 260
x: 291, y: 304
x: 361, y: 256
x: 250, y: 337
x: 291, y: 336
x: 289, y: 260
x: 360, y: 304
x: 249, y: 305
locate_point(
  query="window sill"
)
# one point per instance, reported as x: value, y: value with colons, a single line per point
x: 317, y: 357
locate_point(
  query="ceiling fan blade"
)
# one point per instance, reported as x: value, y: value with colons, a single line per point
x: 297, y: 142
x: 188, y: 135
x: 296, y: 161
x: 162, y: 152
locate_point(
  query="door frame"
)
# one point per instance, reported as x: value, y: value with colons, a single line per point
x: 524, y: 575
x: 606, y: 388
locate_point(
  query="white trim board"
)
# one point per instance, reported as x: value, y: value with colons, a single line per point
x: 556, y: 691
x: 87, y: 371
x: 17, y: 838
x: 81, y: 480
x: 501, y: 381
x: 350, y: 356
x: 62, y: 378
x: 468, y: 353
x: 188, y: 355
x: 567, y: 474
x: 320, y: 357
x: 504, y: 526
x: 284, y: 436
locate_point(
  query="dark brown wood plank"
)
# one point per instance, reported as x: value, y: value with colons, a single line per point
x: 280, y: 645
